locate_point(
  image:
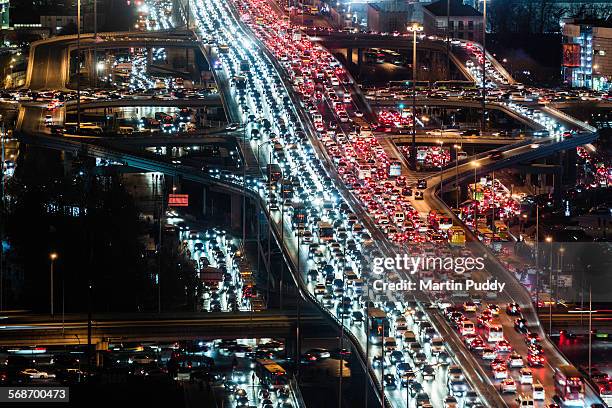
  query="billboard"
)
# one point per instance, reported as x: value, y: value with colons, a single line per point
x: 178, y: 200
x: 571, y: 55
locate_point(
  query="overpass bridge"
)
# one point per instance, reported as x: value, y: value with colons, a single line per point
x: 463, y: 103
x: 209, y: 100
x: 49, y: 59
x: 44, y: 330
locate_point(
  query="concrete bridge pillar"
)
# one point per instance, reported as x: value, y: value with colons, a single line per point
x: 359, y: 56
x: 349, y: 55
x: 204, y: 197
x: 101, y: 347
x: 236, y: 211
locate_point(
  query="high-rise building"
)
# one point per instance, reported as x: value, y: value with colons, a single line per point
x: 587, y: 54
x: 4, y: 14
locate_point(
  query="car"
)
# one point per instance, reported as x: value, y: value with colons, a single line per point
x: 508, y: 386
x: 389, y: 380
x: 513, y: 309
x: 469, y: 306
x: 503, y: 347
x: 34, y: 373
x: 454, y: 372
x: 422, y: 184
x: 526, y: 376
x: 450, y: 402
x: 443, y: 358
x: 377, y: 361
x: 496, y: 155
x: 470, y: 399
x: 500, y: 373
x: 532, y: 338
x: 320, y: 289
x: 321, y: 353
x: 428, y: 372
x: 535, y: 360
x: 515, y: 361
x: 357, y: 317
x: 488, y: 353
x: 407, y: 378
x: 457, y: 388
x: 418, y: 195
x: 396, y: 357
x: 520, y: 325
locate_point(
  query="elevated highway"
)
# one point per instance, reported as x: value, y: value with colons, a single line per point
x: 209, y: 100
x: 43, y: 330
x: 49, y: 59
x: 463, y: 103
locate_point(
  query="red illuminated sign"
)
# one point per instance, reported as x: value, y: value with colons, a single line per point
x: 178, y: 200
x: 571, y: 55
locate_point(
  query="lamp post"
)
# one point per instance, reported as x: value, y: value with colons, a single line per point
x: 441, y: 143
x: 52, y: 257
x: 414, y: 28
x: 476, y: 165
x: 457, y: 190
x: 549, y: 239
x: 484, y: 62
x: 78, y: 65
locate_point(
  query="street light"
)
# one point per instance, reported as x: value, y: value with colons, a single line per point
x: 484, y: 60
x: 549, y: 239
x: 441, y: 143
x: 414, y: 28
x: 457, y: 190
x: 476, y: 166
x: 52, y: 257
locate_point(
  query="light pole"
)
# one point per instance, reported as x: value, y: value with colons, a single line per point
x: 441, y: 143
x: 78, y: 66
x: 414, y: 28
x: 493, y: 203
x: 476, y: 165
x: 484, y: 62
x: 52, y: 257
x: 537, y: 254
x: 457, y: 189
x: 550, y: 240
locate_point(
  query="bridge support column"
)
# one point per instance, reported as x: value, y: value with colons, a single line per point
x: 204, y: 197
x: 101, y: 347
x: 349, y: 55
x: 236, y: 211
x: 359, y: 56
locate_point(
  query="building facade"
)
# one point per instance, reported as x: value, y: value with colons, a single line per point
x: 587, y: 54
x: 387, y: 17
x: 464, y: 21
x: 4, y: 14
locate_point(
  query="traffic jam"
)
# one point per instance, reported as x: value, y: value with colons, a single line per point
x: 335, y: 244
x: 337, y: 247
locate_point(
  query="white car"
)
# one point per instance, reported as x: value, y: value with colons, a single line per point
x: 515, y: 361
x: 526, y: 376
x: 320, y: 289
x: 34, y: 373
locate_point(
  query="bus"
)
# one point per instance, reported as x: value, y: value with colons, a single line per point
x: 446, y: 85
x: 485, y: 235
x: 569, y: 385
x: 456, y: 236
x: 325, y: 231
x: 271, y: 373
x: 378, y: 325
x: 493, y: 332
